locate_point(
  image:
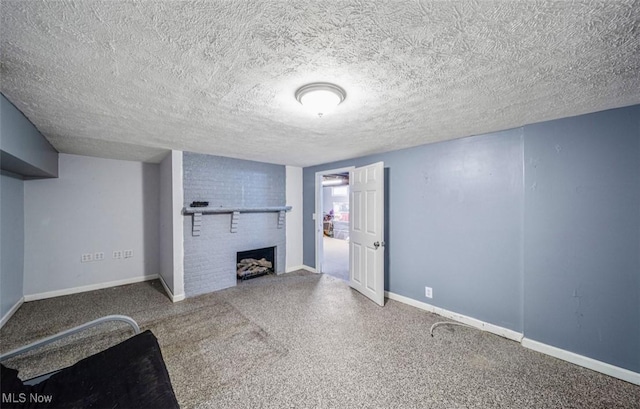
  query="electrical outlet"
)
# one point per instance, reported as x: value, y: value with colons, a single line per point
x: 86, y: 258
x: 128, y: 253
x: 98, y: 256
x: 428, y: 292
x: 117, y: 254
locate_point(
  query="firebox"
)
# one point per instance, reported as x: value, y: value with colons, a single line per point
x: 255, y: 263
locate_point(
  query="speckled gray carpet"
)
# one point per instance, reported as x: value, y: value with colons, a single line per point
x: 303, y: 340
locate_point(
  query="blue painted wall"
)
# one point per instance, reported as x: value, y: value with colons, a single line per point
x: 11, y: 241
x: 24, y: 150
x: 453, y: 214
x: 462, y: 219
x: 24, y: 153
x: 582, y: 235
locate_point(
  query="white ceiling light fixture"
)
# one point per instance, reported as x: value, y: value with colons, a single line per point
x: 320, y: 97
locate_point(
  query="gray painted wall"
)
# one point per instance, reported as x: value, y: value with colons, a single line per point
x: 582, y: 235
x: 460, y: 219
x: 210, y: 259
x: 11, y: 242
x: 24, y: 150
x: 95, y: 205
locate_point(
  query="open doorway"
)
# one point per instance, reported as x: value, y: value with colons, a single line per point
x: 333, y: 216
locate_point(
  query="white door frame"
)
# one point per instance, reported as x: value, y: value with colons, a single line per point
x: 318, y: 213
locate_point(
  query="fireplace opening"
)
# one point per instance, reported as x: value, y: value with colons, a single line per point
x: 255, y: 263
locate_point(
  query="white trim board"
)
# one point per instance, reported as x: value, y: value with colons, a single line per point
x: 302, y: 267
x: 580, y: 360
x: 85, y: 288
x: 174, y: 298
x: 12, y: 311
x: 484, y: 326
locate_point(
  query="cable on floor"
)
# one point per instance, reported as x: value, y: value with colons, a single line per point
x: 437, y: 324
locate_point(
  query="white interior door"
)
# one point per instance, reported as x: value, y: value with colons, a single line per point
x: 366, y: 231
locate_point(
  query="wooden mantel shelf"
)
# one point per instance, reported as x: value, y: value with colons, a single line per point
x: 197, y: 213
x: 208, y: 210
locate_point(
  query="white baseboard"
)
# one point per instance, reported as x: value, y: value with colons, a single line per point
x: 92, y: 287
x: 310, y: 269
x: 485, y: 326
x: 12, y: 311
x: 174, y: 298
x: 581, y: 360
x: 301, y: 267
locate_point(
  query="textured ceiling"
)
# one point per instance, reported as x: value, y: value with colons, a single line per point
x: 129, y: 80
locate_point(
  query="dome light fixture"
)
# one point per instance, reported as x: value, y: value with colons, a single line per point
x: 320, y: 97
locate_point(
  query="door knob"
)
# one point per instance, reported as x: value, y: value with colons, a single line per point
x: 378, y: 244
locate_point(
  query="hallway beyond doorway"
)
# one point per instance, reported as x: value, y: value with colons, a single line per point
x: 336, y: 258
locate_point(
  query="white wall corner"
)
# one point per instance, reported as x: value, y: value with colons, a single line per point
x: 12, y: 311
x: 178, y: 219
x: 581, y: 360
x: 301, y: 267
x: 172, y: 297
x: 166, y: 220
x: 310, y: 269
x: 293, y: 232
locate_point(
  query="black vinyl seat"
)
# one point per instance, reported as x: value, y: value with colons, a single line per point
x: 131, y: 374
